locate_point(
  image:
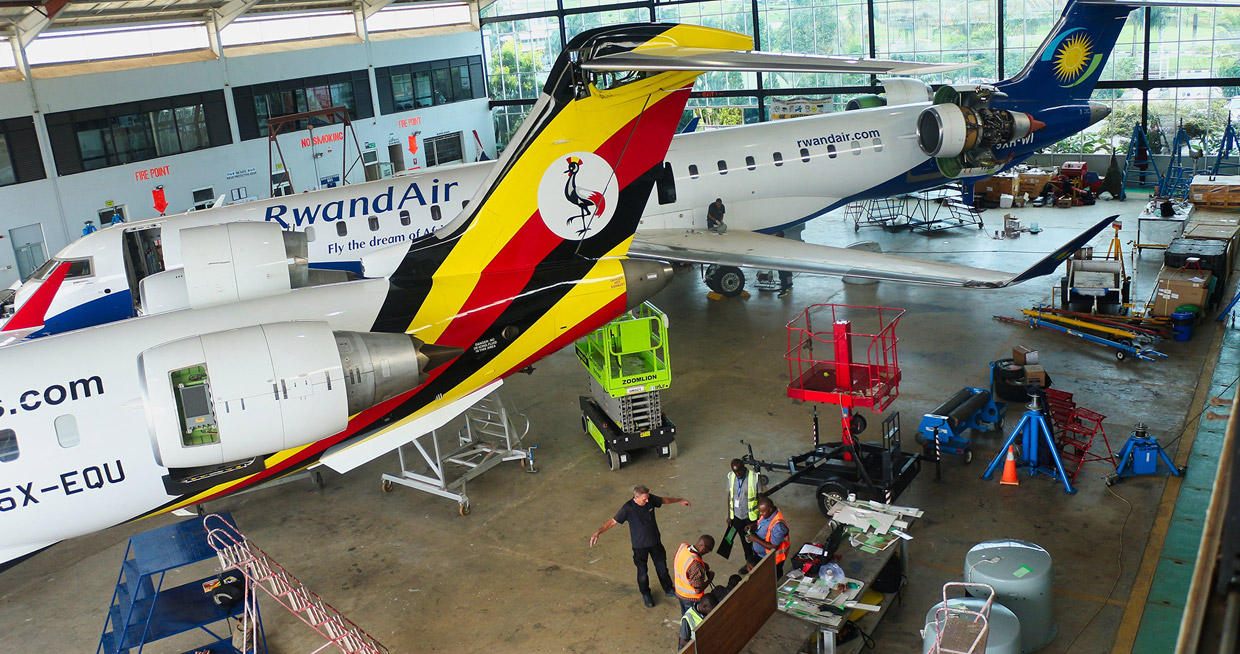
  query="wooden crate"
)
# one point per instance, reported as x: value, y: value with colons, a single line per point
x: 1219, y: 192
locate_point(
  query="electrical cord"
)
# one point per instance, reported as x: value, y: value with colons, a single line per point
x: 1118, y: 573
x: 1199, y: 414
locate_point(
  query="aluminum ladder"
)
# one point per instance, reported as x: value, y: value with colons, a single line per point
x: 261, y: 571
x: 960, y: 630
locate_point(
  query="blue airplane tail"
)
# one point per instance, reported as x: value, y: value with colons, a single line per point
x: 1065, y: 68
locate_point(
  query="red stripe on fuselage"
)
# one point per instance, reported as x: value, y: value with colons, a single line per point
x: 33, y: 312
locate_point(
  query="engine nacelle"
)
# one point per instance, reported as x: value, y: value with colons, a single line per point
x: 950, y: 130
x: 241, y: 261
x: 227, y: 396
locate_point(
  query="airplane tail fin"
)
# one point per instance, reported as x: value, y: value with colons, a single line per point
x: 1067, y: 65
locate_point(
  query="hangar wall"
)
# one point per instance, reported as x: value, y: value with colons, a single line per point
x: 61, y: 203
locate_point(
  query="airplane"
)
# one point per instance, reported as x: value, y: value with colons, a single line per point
x: 265, y: 368
x: 772, y: 175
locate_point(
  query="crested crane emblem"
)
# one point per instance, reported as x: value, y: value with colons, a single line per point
x: 577, y: 195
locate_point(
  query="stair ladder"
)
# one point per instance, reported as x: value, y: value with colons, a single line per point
x: 1228, y: 160
x: 1077, y: 440
x: 1134, y: 160
x: 1175, y: 183
x: 1059, y: 406
x: 261, y: 571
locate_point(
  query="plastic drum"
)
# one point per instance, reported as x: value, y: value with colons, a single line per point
x: 1021, y: 575
x: 1004, y: 635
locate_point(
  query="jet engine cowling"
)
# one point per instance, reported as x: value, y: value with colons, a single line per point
x: 240, y: 261
x: 227, y: 396
x: 960, y: 130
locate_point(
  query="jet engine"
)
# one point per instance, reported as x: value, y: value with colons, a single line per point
x: 227, y: 396
x: 896, y: 91
x: 960, y: 130
x: 240, y: 261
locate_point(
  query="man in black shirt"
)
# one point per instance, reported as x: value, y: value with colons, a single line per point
x: 644, y: 533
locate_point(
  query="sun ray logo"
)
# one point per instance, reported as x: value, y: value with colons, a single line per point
x: 577, y: 196
x: 1073, y: 56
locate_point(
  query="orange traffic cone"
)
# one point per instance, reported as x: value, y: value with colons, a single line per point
x: 1009, y: 468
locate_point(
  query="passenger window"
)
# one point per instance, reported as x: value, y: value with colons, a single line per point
x: 693, y: 173
x: 341, y: 229
x: 404, y: 218
x: 805, y: 153
x: 856, y: 147
x: 878, y: 145
x: 464, y: 203
x: 436, y: 212
x: 373, y: 221
x: 67, y: 430
x: 779, y: 159
x: 310, y: 234
x: 666, y: 185
x: 750, y: 163
x: 723, y: 167
x: 8, y: 446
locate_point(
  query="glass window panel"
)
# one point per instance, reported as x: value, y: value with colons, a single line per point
x: 441, y: 83
x: 342, y: 96
x: 461, y: 88
x: 422, y: 89
x: 94, y: 141
x: 167, y: 141
x: 67, y: 430
x: 578, y: 23
x: 402, y: 92
x: 8, y: 446
x: 514, y: 7
x: 827, y: 27
x: 731, y: 15
x: 7, y: 176
x: 192, y: 127
x: 507, y: 119
x: 519, y: 55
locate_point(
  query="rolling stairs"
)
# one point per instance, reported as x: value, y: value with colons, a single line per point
x: 145, y: 611
x: 1076, y: 428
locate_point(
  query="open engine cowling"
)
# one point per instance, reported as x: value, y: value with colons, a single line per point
x: 227, y: 396
x: 960, y: 130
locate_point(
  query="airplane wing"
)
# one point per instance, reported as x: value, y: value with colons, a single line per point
x: 352, y: 454
x: 754, y: 250
x: 706, y: 59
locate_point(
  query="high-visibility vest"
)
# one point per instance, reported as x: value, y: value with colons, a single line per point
x: 694, y: 619
x: 781, y: 551
x: 751, y: 488
x: 685, y: 557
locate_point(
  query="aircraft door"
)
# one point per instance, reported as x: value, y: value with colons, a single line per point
x: 144, y: 256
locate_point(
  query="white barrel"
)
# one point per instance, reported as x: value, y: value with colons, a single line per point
x: 1004, y: 635
x: 1005, y: 200
x: 1022, y: 577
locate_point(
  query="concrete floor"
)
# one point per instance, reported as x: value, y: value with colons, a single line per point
x: 518, y: 575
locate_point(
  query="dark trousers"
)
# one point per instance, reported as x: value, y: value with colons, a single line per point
x: 785, y: 280
x: 746, y: 546
x: 659, y: 555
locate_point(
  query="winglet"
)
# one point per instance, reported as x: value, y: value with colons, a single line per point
x: 1050, y: 262
x: 31, y: 314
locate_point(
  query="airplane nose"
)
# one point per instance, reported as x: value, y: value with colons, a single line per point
x: 1097, y: 112
x: 642, y: 279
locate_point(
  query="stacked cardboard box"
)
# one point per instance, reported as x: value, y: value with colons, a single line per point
x: 1032, y: 183
x: 1219, y: 191
x: 1177, y: 287
x: 992, y: 187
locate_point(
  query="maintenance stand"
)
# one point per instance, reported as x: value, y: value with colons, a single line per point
x: 1032, y: 428
x: 628, y: 363
x: 1140, y: 456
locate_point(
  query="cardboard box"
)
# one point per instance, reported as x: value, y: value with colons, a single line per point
x: 1032, y: 183
x: 992, y: 187
x: 1035, y: 376
x: 1177, y: 287
x: 1024, y: 356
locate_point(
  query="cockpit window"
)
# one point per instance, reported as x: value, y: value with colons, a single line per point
x: 46, y: 269
x: 77, y: 268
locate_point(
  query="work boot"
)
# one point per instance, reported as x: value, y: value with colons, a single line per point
x: 648, y: 601
x: 669, y: 593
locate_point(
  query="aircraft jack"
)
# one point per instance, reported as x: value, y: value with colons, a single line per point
x: 1140, y: 456
x: 1033, y: 427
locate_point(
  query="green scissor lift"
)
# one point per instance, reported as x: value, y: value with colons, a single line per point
x: 629, y: 365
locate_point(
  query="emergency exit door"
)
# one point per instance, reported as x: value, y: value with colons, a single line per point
x: 28, y: 248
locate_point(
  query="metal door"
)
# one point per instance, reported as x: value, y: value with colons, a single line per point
x: 28, y: 248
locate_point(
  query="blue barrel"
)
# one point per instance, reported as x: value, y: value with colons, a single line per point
x: 1182, y: 325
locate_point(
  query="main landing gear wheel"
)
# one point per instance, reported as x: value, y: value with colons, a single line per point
x: 727, y: 281
x: 829, y: 493
x: 613, y: 460
x: 387, y: 485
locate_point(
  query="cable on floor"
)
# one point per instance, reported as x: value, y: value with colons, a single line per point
x: 1204, y: 406
x: 1118, y: 573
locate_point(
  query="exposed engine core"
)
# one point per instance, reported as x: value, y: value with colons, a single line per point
x: 948, y: 130
x: 227, y: 396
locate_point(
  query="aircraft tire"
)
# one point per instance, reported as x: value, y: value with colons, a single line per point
x: 729, y: 281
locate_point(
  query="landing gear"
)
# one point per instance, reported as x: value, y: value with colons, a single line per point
x: 727, y: 281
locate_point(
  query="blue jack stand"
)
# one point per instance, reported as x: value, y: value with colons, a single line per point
x: 1140, y: 456
x: 1033, y: 425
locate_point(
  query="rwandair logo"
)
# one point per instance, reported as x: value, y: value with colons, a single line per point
x: 1074, y: 57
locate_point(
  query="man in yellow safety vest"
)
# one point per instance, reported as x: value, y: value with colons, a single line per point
x: 693, y: 617
x: 742, y: 501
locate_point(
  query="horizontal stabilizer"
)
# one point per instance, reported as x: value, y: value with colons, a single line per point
x: 706, y: 59
x: 352, y: 454
x: 754, y: 250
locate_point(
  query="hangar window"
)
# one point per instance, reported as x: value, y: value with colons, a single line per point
x: 414, y: 86
x: 8, y: 446
x: 666, y: 185
x: 778, y: 158
x: 259, y: 103
x: 750, y: 163
x: 878, y: 145
x: 341, y: 229
x: 723, y: 167
x: 805, y: 153
x: 693, y: 171
x: 310, y: 234
x: 856, y: 147
x: 436, y: 212
x: 67, y: 430
x: 444, y: 149
x: 20, y: 160
x: 114, y: 135
x: 404, y: 218
x: 373, y: 222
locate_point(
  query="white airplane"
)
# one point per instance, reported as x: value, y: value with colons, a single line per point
x: 264, y: 368
x: 772, y: 176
